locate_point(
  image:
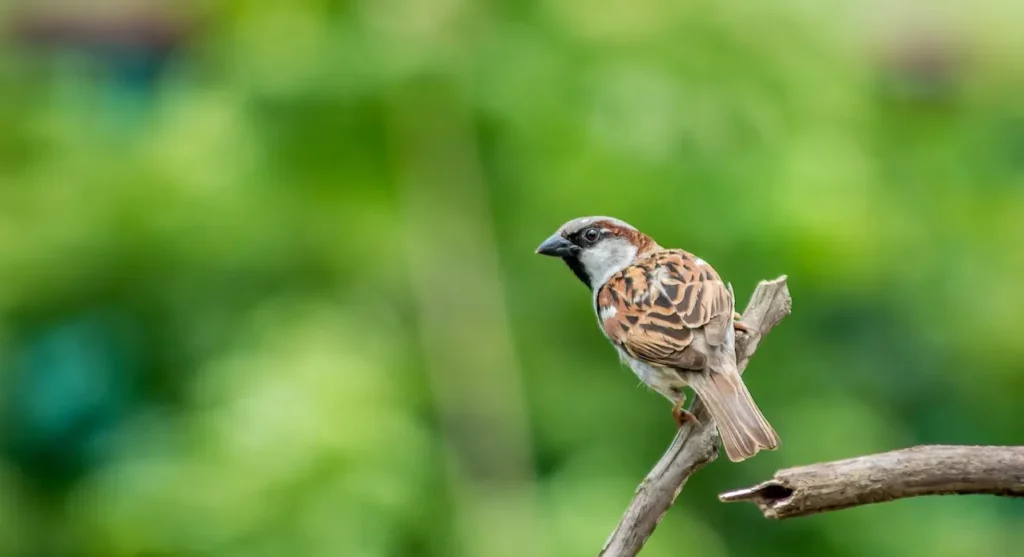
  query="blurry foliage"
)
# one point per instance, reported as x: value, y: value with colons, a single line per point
x: 270, y: 289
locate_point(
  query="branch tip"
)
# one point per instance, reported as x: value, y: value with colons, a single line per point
x: 763, y: 493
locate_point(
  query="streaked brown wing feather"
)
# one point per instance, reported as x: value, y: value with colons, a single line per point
x: 659, y: 302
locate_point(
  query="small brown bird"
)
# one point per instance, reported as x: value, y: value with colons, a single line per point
x: 672, y: 320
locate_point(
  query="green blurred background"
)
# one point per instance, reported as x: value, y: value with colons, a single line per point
x: 267, y: 281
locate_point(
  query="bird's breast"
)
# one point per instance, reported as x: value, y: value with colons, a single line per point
x: 660, y: 379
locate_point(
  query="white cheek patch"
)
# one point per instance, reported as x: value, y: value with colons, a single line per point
x: 607, y: 312
x: 607, y: 258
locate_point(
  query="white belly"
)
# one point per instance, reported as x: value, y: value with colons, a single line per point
x: 663, y: 380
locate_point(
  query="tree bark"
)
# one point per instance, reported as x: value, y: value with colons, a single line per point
x: 922, y: 470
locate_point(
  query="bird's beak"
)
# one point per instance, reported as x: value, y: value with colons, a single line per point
x: 557, y: 246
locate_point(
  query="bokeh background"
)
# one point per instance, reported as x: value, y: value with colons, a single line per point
x: 267, y: 281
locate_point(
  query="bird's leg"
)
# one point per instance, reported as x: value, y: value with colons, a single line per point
x: 681, y: 414
x: 739, y: 325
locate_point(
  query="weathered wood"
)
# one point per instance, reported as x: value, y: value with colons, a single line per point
x: 922, y: 470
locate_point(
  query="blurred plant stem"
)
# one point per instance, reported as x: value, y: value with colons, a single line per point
x: 454, y: 275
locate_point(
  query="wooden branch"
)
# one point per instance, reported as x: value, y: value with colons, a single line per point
x: 923, y: 470
x: 693, y: 446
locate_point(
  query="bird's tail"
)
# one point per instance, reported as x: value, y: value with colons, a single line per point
x: 744, y: 430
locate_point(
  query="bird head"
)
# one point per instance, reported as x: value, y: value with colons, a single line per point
x: 595, y: 248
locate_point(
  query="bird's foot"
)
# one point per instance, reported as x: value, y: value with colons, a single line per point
x: 739, y: 325
x: 683, y: 415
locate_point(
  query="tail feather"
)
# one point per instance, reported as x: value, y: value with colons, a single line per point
x: 744, y: 430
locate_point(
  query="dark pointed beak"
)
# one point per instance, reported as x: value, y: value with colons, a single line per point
x: 557, y: 246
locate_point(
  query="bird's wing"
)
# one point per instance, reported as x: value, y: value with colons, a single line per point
x: 652, y: 308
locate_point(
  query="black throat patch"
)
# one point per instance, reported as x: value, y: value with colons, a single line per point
x: 578, y: 270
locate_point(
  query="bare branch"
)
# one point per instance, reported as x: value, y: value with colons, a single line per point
x: 923, y: 470
x: 693, y: 446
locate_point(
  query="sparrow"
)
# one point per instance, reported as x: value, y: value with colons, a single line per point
x: 672, y: 320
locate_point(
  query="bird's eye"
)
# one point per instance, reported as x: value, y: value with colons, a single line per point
x: 591, y: 235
